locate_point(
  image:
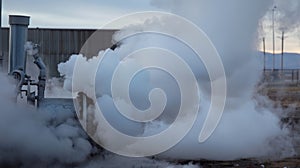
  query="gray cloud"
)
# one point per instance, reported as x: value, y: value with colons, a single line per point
x: 90, y: 13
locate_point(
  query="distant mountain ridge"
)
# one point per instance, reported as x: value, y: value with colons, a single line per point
x: 290, y: 60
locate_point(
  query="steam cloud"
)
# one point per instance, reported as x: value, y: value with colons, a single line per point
x: 245, y: 129
x: 287, y: 15
x: 32, y: 138
x: 35, y: 139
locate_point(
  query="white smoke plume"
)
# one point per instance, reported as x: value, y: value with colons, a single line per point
x: 32, y: 138
x: 287, y: 15
x: 245, y: 129
x: 52, y: 137
x: 54, y: 89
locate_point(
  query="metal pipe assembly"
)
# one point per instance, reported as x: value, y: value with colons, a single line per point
x: 42, y: 76
x: 33, y: 50
x: 17, y: 38
x: 17, y: 60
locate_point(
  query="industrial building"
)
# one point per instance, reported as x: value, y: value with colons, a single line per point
x: 56, y: 45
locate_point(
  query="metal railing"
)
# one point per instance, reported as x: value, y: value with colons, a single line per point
x: 1, y: 62
x: 286, y: 76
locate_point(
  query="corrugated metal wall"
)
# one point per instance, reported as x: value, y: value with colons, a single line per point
x: 57, y: 45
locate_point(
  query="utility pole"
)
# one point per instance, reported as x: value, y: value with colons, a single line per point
x: 282, y: 38
x: 264, y: 48
x: 282, y: 50
x: 273, y: 21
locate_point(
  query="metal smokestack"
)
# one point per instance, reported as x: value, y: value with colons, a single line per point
x: 17, y: 39
x: 1, y: 52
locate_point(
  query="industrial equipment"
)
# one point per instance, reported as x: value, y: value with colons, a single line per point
x: 19, y: 49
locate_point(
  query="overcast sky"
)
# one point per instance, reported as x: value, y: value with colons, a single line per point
x: 94, y: 14
x: 72, y: 13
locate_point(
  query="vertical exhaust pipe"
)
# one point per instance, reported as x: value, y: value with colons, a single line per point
x: 17, y: 38
x: 1, y: 50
